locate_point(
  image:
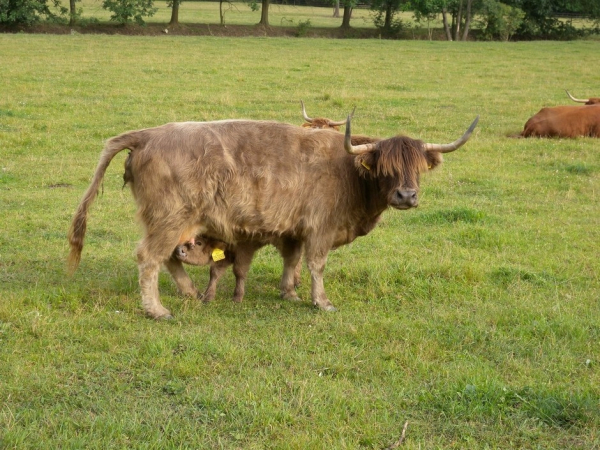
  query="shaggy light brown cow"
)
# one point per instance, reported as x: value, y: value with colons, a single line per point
x: 239, y: 180
x: 199, y: 251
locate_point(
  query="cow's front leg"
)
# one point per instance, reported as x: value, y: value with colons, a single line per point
x: 291, y: 252
x: 148, y: 277
x: 153, y: 250
x: 315, y: 260
x: 185, y: 286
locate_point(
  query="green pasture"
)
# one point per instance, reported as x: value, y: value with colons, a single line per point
x: 475, y: 317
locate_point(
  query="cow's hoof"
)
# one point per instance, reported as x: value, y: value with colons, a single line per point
x: 165, y: 317
x: 328, y: 308
x: 292, y: 297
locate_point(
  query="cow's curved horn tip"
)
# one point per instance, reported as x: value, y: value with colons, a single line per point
x: 474, y: 124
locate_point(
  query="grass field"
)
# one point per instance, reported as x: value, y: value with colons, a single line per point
x: 474, y: 317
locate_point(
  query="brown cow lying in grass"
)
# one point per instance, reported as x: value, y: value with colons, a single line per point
x: 566, y: 121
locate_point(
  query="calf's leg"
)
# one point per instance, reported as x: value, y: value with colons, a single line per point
x: 184, y: 283
x: 217, y: 269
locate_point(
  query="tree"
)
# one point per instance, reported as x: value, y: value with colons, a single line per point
x: 385, y: 10
x: 127, y: 11
x: 426, y: 10
x: 541, y: 17
x: 72, y: 12
x: 174, y: 5
x: 346, y: 16
x: 264, y: 13
x: 460, y: 11
x: 28, y: 12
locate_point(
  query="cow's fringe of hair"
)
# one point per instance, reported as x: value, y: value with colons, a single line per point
x: 79, y: 225
x: 399, y: 153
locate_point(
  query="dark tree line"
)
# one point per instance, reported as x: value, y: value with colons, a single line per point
x: 495, y: 19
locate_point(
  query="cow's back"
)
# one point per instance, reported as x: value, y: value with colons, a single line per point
x: 239, y: 176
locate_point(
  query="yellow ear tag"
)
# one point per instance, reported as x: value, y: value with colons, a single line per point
x: 365, y: 165
x: 218, y: 254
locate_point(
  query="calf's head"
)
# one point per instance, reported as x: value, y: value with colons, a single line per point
x: 396, y: 163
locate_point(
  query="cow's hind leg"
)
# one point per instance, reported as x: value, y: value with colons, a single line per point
x: 184, y: 283
x: 153, y: 250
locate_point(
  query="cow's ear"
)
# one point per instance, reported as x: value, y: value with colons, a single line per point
x: 365, y: 163
x: 434, y: 159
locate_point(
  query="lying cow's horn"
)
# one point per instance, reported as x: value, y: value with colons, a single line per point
x: 341, y: 122
x: 578, y: 100
x: 331, y: 123
x: 446, y: 148
x: 308, y: 119
x: 354, y: 149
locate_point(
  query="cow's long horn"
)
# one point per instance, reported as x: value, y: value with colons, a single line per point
x: 447, y: 148
x: 308, y: 119
x: 354, y: 149
x: 578, y: 100
x: 341, y: 122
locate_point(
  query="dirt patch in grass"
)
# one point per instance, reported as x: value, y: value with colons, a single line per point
x: 196, y: 30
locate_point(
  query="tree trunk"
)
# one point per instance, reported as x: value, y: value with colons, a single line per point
x: 264, y: 13
x: 175, y: 13
x: 347, y: 16
x: 73, y: 12
x: 336, y: 9
x: 467, y: 21
x: 446, y: 27
x: 458, y: 21
x: 387, y: 25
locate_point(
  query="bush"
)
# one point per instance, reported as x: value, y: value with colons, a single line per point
x: 499, y: 21
x: 303, y: 27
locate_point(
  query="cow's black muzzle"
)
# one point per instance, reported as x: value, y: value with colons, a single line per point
x: 405, y: 199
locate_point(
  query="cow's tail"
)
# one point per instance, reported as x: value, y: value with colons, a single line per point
x: 130, y: 140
